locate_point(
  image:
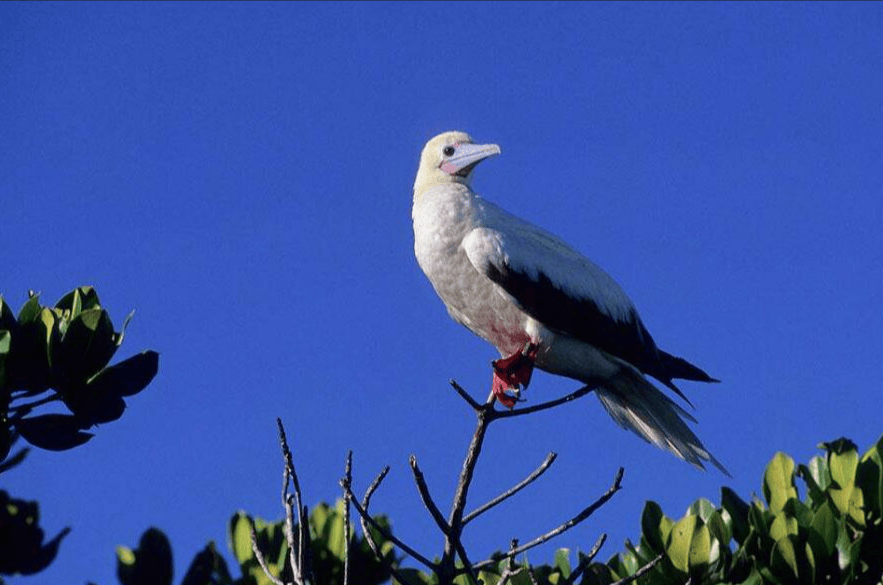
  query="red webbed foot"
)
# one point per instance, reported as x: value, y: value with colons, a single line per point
x: 513, y: 372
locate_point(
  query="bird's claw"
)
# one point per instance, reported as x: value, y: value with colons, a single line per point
x: 513, y: 372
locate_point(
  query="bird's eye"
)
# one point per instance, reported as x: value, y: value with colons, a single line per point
x: 448, y: 151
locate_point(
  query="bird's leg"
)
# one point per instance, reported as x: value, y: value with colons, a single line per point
x: 512, y: 372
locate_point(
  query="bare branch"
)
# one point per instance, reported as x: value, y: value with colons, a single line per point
x: 545, y: 405
x: 586, y: 561
x: 455, y: 520
x: 260, y: 557
x: 386, y: 534
x: 420, y: 480
x: 465, y: 395
x: 348, y: 481
x: 293, y: 547
x: 566, y: 525
x: 508, y: 574
x: 300, y: 563
x: 550, y: 458
x: 640, y: 572
x: 366, y: 501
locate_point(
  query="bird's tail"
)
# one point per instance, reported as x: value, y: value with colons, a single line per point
x: 680, y: 368
x: 637, y: 405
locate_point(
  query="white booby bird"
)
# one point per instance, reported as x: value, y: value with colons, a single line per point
x: 542, y: 303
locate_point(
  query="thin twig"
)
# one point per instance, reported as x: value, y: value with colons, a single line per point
x: 366, y: 501
x: 260, y: 556
x: 550, y: 458
x: 566, y: 525
x: 423, y: 489
x: 388, y: 535
x: 585, y: 561
x: 640, y: 572
x: 299, y: 563
x: 348, y: 479
x: 508, y: 573
x: 465, y: 395
x: 545, y: 405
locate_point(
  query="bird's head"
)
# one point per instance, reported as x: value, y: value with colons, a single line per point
x: 450, y: 158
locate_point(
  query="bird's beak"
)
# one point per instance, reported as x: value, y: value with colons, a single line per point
x: 467, y: 156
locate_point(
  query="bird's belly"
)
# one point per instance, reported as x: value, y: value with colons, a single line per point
x: 474, y: 301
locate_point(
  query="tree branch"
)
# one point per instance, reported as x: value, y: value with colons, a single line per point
x: 585, y: 561
x: 545, y: 405
x: 366, y: 501
x: 550, y: 458
x: 348, y: 481
x: 465, y: 395
x: 566, y: 525
x: 299, y: 564
x: 455, y: 520
x: 420, y: 480
x: 260, y: 557
x: 640, y: 572
x: 388, y: 535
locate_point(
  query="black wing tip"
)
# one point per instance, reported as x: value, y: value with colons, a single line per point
x: 681, y: 369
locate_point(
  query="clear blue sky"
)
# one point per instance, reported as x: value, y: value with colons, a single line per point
x: 240, y: 174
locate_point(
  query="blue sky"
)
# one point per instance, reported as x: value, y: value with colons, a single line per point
x: 240, y: 174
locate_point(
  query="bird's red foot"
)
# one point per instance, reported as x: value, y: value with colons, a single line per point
x: 513, y: 372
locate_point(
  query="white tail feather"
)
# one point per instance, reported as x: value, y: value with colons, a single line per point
x: 637, y: 405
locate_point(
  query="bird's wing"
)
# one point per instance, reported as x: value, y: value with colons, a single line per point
x: 560, y: 288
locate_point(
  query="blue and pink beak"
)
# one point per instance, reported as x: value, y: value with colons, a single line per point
x: 466, y: 156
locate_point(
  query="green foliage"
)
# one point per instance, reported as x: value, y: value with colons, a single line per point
x: 57, y: 354
x: 64, y: 351
x: 21, y: 538
x: 151, y: 563
x: 834, y: 535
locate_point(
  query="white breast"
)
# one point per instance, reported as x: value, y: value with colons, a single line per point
x: 443, y: 216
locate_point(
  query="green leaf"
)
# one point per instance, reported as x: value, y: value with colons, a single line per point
x: 7, y: 317
x: 415, y: 577
x: 335, y: 539
x: 5, y: 345
x: 782, y: 526
x: 734, y: 514
x: 843, y: 465
x: 679, y: 540
x: 870, y: 479
x: 778, y: 482
x: 783, y: 561
x: 824, y: 531
x: 562, y: 561
x: 30, y: 310
x: 155, y: 558
x: 240, y: 537
x: 208, y: 568
x: 101, y: 399
x: 54, y: 432
x: 149, y: 564
x: 128, y: 377
x: 79, y: 299
x: 87, y: 345
x: 655, y: 526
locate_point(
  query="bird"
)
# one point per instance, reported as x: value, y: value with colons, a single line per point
x: 541, y: 303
